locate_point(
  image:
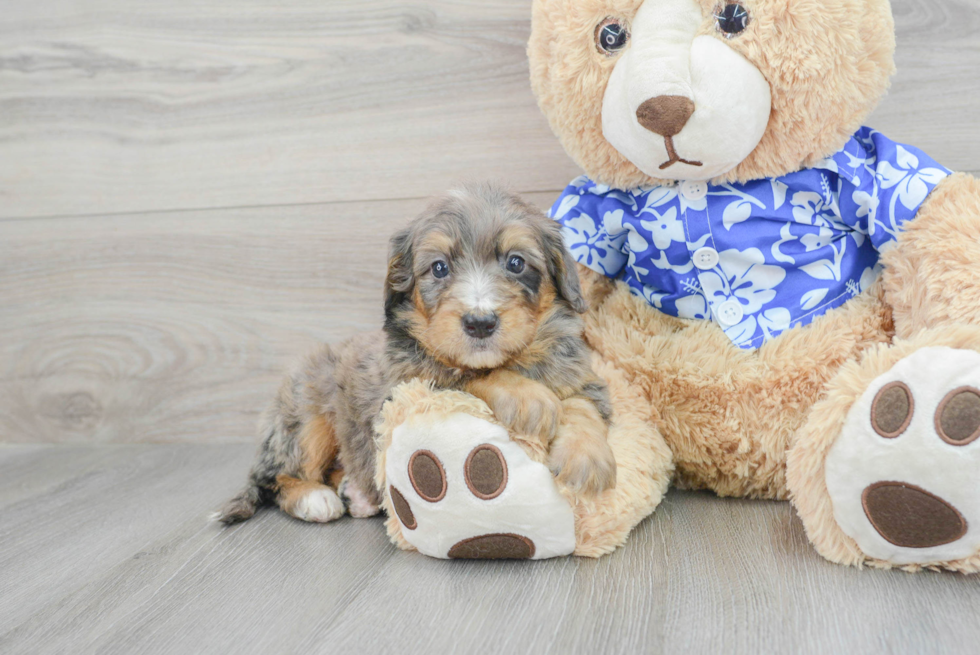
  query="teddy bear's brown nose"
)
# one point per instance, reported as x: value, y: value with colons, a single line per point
x: 665, y: 115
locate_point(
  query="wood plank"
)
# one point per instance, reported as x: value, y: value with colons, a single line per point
x: 121, y: 107
x: 178, y: 326
x: 69, y: 529
x: 703, y: 574
x: 934, y: 100
x: 20, y: 465
x: 117, y: 107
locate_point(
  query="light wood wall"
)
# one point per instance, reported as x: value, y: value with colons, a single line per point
x: 191, y: 194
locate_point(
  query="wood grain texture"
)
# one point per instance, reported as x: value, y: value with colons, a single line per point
x: 121, y: 107
x: 178, y: 326
x: 118, y: 558
x: 109, y: 107
x: 137, y: 304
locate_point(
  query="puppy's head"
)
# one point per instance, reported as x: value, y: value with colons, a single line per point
x: 475, y: 275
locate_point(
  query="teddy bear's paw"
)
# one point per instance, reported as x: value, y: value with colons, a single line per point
x: 462, y: 489
x: 902, y: 475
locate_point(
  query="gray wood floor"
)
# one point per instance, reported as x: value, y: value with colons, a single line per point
x: 107, y: 549
x: 191, y: 195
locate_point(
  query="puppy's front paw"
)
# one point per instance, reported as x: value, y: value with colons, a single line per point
x: 530, y: 409
x: 359, y: 504
x: 523, y: 406
x: 585, y: 467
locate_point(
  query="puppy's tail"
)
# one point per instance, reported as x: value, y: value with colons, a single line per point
x: 242, y: 507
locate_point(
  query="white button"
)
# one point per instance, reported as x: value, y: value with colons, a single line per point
x: 705, y: 258
x: 730, y: 313
x: 694, y: 190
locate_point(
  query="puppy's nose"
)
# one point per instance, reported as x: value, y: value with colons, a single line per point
x: 665, y: 115
x: 480, y: 327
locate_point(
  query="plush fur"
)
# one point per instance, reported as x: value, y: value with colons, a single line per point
x: 602, y: 523
x: 687, y: 405
x: 931, y: 277
x: 760, y: 423
x: 730, y: 415
x: 827, y: 63
x: 807, y: 476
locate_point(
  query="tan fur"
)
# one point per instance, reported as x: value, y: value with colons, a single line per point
x: 931, y: 277
x: 439, y: 332
x: 539, y: 348
x: 730, y: 415
x: 807, y: 477
x: 334, y: 477
x: 525, y: 407
x: 318, y: 443
x: 518, y: 237
x: 292, y: 490
x: 827, y: 64
x: 603, y: 523
x: 759, y: 423
x: 432, y: 243
x: 581, y: 434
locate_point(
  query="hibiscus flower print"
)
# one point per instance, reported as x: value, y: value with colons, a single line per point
x: 908, y: 183
x: 810, y: 208
x: 821, y: 239
x: 693, y: 306
x: 745, y: 276
x: 665, y: 228
x: 786, y: 249
x: 592, y: 245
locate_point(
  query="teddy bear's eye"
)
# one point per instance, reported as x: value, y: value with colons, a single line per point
x: 611, y: 36
x: 732, y: 18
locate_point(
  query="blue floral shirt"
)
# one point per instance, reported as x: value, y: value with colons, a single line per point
x: 756, y: 258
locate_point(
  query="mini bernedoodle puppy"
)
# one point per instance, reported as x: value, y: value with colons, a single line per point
x: 481, y: 296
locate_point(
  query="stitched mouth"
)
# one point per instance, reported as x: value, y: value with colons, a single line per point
x: 674, y: 157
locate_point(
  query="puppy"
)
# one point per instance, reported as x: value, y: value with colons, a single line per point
x: 481, y: 296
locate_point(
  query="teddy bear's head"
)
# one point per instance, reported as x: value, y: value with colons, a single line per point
x: 642, y: 91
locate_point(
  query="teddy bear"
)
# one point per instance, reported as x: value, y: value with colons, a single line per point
x: 785, y: 302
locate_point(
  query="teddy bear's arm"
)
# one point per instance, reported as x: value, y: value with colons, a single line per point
x: 930, y: 275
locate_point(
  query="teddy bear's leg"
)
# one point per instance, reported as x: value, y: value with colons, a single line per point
x: 644, y: 466
x: 885, y: 470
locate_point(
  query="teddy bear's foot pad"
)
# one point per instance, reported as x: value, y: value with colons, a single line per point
x: 461, y: 489
x: 909, y: 516
x: 902, y: 474
x: 493, y: 546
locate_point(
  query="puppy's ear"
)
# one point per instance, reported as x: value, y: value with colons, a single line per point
x: 562, y: 268
x: 400, y: 278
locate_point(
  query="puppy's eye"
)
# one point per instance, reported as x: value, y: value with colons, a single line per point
x: 440, y: 269
x: 732, y: 18
x: 515, y: 264
x: 611, y: 36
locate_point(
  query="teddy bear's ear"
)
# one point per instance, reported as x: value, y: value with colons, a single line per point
x: 562, y: 268
x: 400, y: 278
